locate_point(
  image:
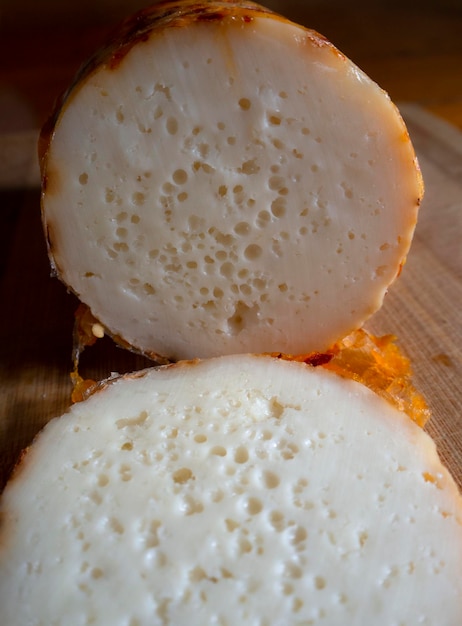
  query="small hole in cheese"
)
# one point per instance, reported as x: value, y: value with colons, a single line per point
x: 218, y: 451
x: 182, y: 475
x: 245, y: 104
x: 241, y: 455
x: 172, y: 126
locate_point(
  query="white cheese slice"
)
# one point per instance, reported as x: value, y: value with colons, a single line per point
x: 228, y: 185
x: 237, y: 490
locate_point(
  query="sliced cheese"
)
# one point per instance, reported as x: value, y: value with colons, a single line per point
x: 238, y: 490
x: 221, y: 180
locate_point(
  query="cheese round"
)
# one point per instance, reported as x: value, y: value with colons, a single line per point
x: 221, y: 180
x: 238, y: 490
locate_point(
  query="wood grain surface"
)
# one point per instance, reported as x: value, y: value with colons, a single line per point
x: 423, y: 309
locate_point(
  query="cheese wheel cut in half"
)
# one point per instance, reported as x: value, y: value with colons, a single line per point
x: 220, y: 180
x: 237, y: 490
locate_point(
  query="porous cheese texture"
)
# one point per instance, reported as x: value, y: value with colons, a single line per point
x: 222, y: 180
x: 238, y: 490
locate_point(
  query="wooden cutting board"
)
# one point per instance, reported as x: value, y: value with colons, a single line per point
x: 423, y: 309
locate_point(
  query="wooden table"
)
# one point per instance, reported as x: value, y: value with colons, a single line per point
x: 423, y: 309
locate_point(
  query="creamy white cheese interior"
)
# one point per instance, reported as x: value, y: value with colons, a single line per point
x: 239, y: 490
x: 230, y: 187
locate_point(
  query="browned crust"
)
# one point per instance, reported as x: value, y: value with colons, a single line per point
x: 377, y: 363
